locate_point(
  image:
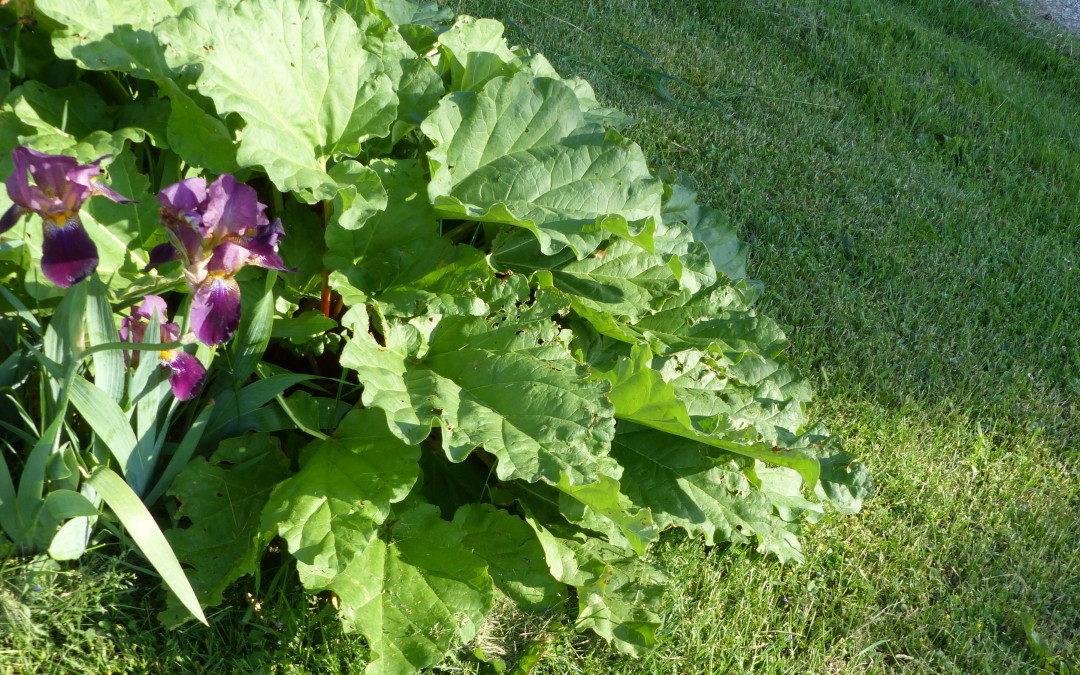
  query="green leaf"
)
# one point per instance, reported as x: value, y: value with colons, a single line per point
x: 235, y: 410
x: 298, y: 73
x: 253, y: 334
x: 709, y: 226
x: 198, y: 136
x: 360, y: 193
x: 64, y: 334
x: 75, y: 110
x: 131, y: 225
x: 517, y: 153
x: 144, y: 532
x: 302, y: 326
x: 601, y: 506
x: 147, y: 391
x: 507, y: 383
x: 413, y: 591
x: 641, y: 395
x: 71, y: 539
x: 400, y: 12
x: 111, y: 425
x: 474, y: 51
x: 111, y: 34
x: 182, y: 455
x: 717, y: 319
x: 329, y: 512
x: 389, y: 245
x: 619, y: 278
x: 222, y: 500
x: 686, y: 484
x: 618, y: 595
x: 109, y: 370
x: 513, y: 554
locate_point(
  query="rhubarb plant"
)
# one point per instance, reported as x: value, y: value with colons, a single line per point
x: 418, y: 312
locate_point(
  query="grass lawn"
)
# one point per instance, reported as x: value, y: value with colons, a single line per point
x: 908, y: 174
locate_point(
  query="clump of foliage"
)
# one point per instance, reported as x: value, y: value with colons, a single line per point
x: 437, y: 327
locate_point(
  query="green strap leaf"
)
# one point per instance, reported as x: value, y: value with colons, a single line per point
x: 256, y: 324
x: 144, y: 531
x: 109, y: 371
x: 113, y: 429
x: 182, y: 455
x: 233, y: 409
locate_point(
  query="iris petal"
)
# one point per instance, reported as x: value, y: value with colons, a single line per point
x: 10, y: 217
x: 263, y: 247
x: 231, y: 208
x: 183, y: 198
x: 68, y: 253
x: 228, y: 258
x: 215, y: 309
x: 161, y: 254
x: 99, y: 188
x: 188, y: 373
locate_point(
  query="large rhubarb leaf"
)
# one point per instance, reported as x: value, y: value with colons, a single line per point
x: 514, y: 556
x: 387, y: 245
x: 618, y: 595
x: 413, y: 591
x: 112, y: 34
x: 688, y: 484
x: 222, y: 500
x: 507, y: 383
x: 619, y: 278
x: 641, y: 395
x: 330, y: 511
x: 519, y: 152
x: 299, y: 75
x: 709, y: 226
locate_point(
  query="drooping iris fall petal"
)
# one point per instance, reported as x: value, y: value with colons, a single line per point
x: 187, y: 376
x: 215, y: 309
x: 68, y: 254
x: 161, y: 254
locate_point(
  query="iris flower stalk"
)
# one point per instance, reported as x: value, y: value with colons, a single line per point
x: 215, y: 230
x: 60, y: 186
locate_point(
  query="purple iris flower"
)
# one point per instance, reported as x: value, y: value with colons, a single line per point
x: 215, y: 230
x: 188, y: 373
x: 61, y: 185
